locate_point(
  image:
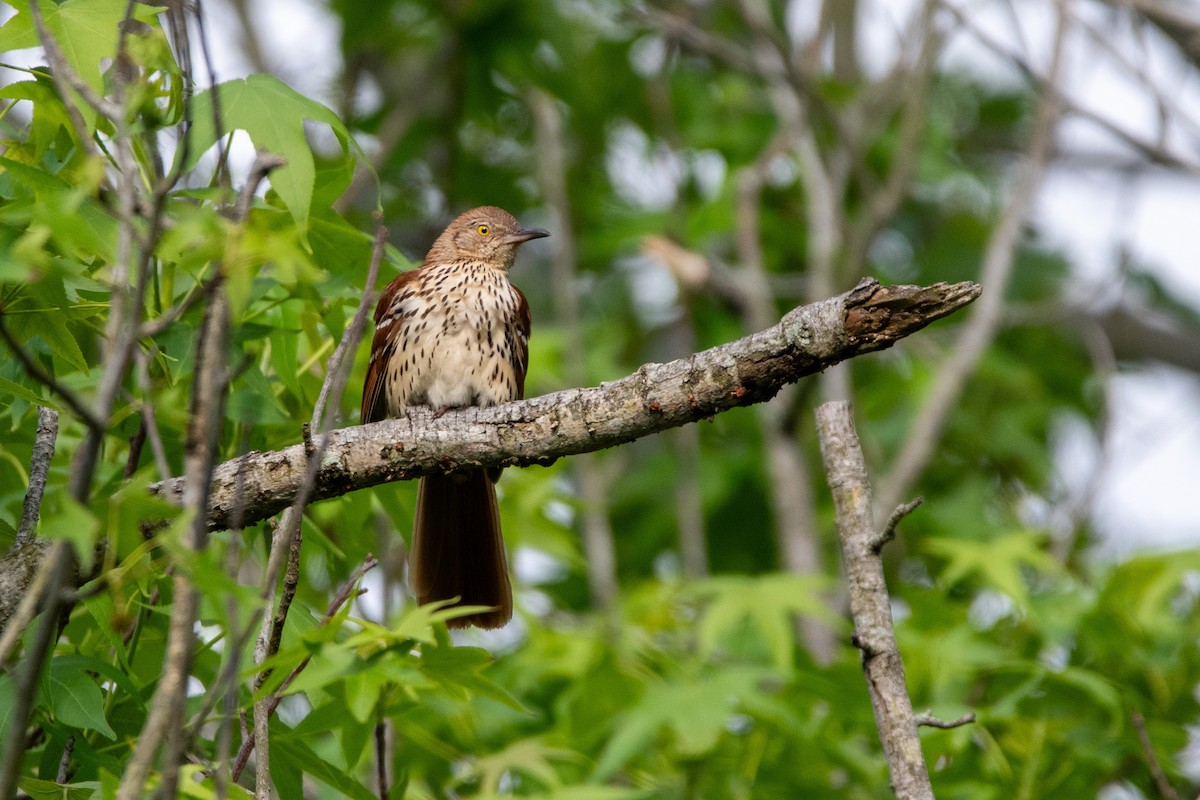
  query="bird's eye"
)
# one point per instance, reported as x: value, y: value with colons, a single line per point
x: 484, y: 230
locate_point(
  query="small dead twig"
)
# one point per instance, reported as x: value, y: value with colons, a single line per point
x: 889, y: 530
x: 926, y: 719
x: 39, y: 468
x: 1164, y: 787
x: 64, y: 763
x: 272, y: 701
x: 382, y: 760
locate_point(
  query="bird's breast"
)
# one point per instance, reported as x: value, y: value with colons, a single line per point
x: 453, y: 347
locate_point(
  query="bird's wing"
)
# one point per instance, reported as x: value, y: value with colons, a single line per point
x: 519, y: 344
x: 388, y: 315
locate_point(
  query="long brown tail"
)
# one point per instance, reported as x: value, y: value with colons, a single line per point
x: 457, y: 547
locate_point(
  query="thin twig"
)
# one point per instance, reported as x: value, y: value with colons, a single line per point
x: 264, y: 163
x: 203, y: 437
x: 790, y: 483
x: 382, y: 759
x: 287, y: 532
x: 889, y: 530
x: 149, y: 418
x: 344, y: 593
x: 39, y: 468
x: 58, y: 566
x: 221, y: 174
x: 927, y: 720
x: 926, y: 428
x: 598, y: 540
x: 40, y: 375
x: 1161, y: 783
x: 1156, y: 153
x: 153, y: 328
x: 64, y: 763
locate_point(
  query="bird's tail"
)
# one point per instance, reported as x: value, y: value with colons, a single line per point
x: 457, y: 547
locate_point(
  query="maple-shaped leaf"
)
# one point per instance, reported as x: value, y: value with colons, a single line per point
x: 273, y: 115
x: 87, y: 32
x: 996, y: 562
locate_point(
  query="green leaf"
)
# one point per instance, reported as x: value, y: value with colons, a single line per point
x: 996, y: 562
x: 363, y: 690
x: 75, y: 523
x: 196, y: 782
x: 48, y: 790
x: 768, y: 603
x: 49, y: 115
x: 582, y: 793
x: 290, y: 753
x: 12, y: 389
x: 52, y: 327
x: 273, y: 114
x: 695, y: 711
x: 458, y: 670
x: 531, y: 757
x: 74, y: 698
x: 87, y: 31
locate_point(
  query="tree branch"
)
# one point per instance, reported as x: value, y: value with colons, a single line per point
x: 928, y: 424
x: 869, y: 602
x: 39, y: 467
x: 540, y: 430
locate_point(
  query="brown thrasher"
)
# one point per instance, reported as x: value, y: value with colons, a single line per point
x: 452, y: 333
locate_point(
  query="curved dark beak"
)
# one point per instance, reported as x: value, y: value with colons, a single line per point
x: 524, y: 235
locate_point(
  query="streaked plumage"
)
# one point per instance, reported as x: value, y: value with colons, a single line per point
x: 453, y: 333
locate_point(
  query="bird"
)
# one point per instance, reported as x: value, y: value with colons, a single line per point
x: 452, y: 333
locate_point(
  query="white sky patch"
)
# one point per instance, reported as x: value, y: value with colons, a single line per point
x: 644, y: 173
x: 1147, y: 500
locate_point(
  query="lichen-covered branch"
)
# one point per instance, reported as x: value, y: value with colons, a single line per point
x: 870, y: 607
x: 540, y: 430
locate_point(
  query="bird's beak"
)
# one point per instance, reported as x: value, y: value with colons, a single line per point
x: 524, y: 235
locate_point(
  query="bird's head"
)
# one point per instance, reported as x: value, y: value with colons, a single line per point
x: 486, y: 234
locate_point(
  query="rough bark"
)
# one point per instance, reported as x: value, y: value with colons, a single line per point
x: 657, y: 397
x: 869, y: 603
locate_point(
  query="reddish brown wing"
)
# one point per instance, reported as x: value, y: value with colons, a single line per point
x: 383, y: 346
x: 519, y: 341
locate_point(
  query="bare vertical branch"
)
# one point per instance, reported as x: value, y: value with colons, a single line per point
x: 286, y: 535
x: 119, y: 340
x: 979, y: 331
x: 869, y: 603
x: 39, y: 467
x: 203, y: 438
x: 272, y: 702
x: 58, y: 566
x: 593, y: 489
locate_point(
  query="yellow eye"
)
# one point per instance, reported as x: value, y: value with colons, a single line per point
x: 484, y: 230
